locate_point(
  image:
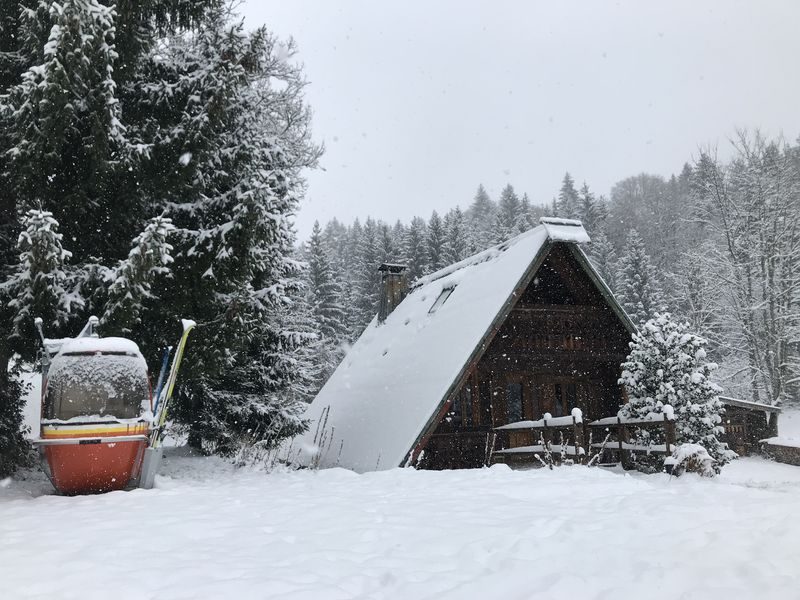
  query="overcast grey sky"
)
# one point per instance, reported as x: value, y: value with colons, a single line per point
x: 419, y: 102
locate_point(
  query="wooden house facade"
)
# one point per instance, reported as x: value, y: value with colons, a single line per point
x: 559, y: 348
x: 522, y: 330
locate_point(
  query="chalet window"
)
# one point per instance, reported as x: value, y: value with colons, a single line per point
x: 514, y: 402
x: 441, y: 299
x: 572, y: 396
x: 558, y: 409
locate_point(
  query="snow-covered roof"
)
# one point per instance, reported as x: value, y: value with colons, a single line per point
x: 749, y: 404
x: 394, y: 379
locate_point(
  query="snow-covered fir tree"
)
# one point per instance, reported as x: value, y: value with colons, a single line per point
x: 637, y: 282
x: 132, y: 280
x: 327, y: 315
x: 604, y: 258
x: 435, y: 241
x: 509, y: 220
x: 63, y: 119
x: 456, y: 238
x: 587, y: 210
x: 324, y: 289
x: 481, y: 215
x: 415, y: 248
x: 242, y: 114
x: 568, y: 201
x: 38, y: 288
x: 367, y: 280
x: 668, y: 365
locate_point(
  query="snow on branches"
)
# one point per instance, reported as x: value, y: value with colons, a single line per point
x: 38, y: 286
x: 132, y: 280
x: 667, y: 366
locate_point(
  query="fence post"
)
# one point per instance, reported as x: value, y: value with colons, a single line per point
x: 623, y: 437
x: 577, y: 440
x: 669, y: 426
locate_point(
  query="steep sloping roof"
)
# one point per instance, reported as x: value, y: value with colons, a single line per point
x: 392, y: 382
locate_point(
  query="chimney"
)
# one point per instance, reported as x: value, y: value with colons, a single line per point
x: 394, y: 287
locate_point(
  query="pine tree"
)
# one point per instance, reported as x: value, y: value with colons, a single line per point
x: 234, y: 198
x: 456, y: 240
x: 323, y: 289
x: 63, y: 120
x: 530, y: 215
x: 509, y: 219
x: 587, y: 210
x: 133, y: 278
x: 387, y: 251
x: 367, y: 280
x: 667, y: 366
x: 567, y: 204
x: 481, y: 215
x: 604, y: 258
x: 415, y: 248
x: 435, y: 243
x: 638, y: 286
x: 39, y: 286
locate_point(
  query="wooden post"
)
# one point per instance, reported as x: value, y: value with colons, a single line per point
x: 669, y: 426
x: 623, y: 437
x: 577, y: 433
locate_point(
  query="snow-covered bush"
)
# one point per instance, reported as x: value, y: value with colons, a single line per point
x: 667, y: 366
x: 691, y: 458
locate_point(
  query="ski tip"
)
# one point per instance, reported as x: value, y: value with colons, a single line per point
x: 187, y: 324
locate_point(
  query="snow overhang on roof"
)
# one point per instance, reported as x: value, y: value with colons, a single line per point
x: 389, y: 388
x: 565, y: 230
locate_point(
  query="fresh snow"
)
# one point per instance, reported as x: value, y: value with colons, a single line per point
x: 391, y: 383
x: 209, y: 531
x: 82, y: 345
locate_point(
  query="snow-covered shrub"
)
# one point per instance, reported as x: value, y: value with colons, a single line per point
x: 667, y: 366
x: 691, y: 458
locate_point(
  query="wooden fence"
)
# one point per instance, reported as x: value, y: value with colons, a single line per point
x: 576, y: 438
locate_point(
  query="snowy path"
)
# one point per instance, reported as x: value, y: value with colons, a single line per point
x: 211, y: 532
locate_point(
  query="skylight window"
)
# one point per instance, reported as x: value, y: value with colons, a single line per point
x: 441, y: 299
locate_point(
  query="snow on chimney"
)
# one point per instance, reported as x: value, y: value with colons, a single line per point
x: 394, y: 287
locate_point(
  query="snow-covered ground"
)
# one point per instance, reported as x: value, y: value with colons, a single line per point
x: 209, y: 531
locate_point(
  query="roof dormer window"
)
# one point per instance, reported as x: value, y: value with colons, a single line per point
x: 441, y: 299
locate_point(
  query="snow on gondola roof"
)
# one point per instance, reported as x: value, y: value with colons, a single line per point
x: 106, y: 345
x: 396, y: 376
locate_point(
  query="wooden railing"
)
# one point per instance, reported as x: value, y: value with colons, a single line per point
x: 621, y: 445
x: 519, y: 441
x: 528, y: 441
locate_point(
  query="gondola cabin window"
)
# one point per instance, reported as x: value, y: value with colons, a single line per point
x: 113, y: 385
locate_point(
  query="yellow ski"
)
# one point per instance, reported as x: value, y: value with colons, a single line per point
x: 161, y: 417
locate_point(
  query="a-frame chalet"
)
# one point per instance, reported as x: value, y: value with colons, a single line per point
x: 522, y: 329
